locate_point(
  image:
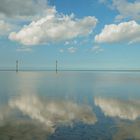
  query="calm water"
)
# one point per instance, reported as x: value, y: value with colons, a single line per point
x: 69, y: 105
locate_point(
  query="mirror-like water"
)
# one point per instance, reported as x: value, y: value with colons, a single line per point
x: 69, y: 105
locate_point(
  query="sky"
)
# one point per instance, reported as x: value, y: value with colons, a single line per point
x: 79, y: 34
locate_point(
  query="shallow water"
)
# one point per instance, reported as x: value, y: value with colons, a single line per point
x: 76, y: 105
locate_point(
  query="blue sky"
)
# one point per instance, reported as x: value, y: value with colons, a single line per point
x: 81, y: 34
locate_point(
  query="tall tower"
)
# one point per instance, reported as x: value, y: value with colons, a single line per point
x: 56, y: 66
x: 17, y: 66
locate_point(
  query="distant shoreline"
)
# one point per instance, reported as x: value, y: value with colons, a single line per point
x: 71, y: 70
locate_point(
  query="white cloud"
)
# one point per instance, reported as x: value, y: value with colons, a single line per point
x: 5, y: 27
x: 72, y: 49
x: 129, y: 109
x: 128, y: 32
x: 67, y: 43
x: 69, y: 50
x: 97, y: 49
x: 118, y: 18
x: 22, y: 8
x: 127, y: 9
x: 24, y: 49
x: 103, y: 1
x: 14, y: 12
x: 54, y: 27
x: 73, y: 42
x: 61, y: 50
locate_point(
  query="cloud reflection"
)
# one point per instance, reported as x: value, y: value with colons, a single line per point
x: 23, y: 130
x: 43, y: 115
x: 128, y: 131
x: 124, y: 109
x: 53, y: 112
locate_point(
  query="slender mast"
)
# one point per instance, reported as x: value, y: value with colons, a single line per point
x: 56, y: 66
x: 17, y: 66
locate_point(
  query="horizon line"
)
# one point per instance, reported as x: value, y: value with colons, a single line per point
x: 136, y: 70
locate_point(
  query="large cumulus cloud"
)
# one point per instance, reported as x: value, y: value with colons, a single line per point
x: 128, y: 32
x: 54, y: 27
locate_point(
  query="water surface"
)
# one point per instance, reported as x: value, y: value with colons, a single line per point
x: 71, y: 105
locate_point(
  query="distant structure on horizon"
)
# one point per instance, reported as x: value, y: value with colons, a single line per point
x: 17, y: 66
x: 56, y: 66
